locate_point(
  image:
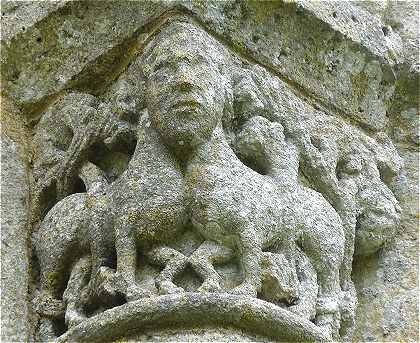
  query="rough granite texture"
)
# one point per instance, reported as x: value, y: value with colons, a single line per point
x: 180, y: 136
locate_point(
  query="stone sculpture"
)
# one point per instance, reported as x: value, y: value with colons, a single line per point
x: 219, y: 169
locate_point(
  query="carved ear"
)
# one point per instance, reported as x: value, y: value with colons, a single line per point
x: 57, y: 126
x: 228, y: 104
x: 127, y: 94
x: 246, y: 95
x: 388, y: 161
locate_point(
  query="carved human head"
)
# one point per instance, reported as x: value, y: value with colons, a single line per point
x: 187, y: 83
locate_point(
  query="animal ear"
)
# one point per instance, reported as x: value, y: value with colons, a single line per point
x: 277, y: 129
x: 228, y: 98
x: 228, y: 115
x: 388, y: 161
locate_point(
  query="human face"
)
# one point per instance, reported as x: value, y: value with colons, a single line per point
x: 185, y: 95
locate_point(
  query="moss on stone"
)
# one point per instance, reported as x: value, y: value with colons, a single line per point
x: 263, y: 9
x: 360, y: 83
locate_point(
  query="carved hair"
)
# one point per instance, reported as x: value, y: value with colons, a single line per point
x: 190, y: 36
x: 185, y: 34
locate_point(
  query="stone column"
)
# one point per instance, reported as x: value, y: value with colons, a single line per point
x: 236, y: 170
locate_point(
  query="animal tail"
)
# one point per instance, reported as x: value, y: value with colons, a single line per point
x: 92, y: 176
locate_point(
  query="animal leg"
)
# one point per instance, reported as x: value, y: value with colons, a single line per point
x: 46, y: 303
x: 326, y: 255
x: 101, y: 254
x: 72, y: 295
x: 127, y: 263
x: 348, y: 301
x: 46, y: 330
x: 202, y: 261
x: 348, y: 304
x: 251, y: 252
x: 174, y: 262
x: 348, y: 219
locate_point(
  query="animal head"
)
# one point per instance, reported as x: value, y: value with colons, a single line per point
x: 378, y: 211
x: 279, y: 279
x: 259, y: 142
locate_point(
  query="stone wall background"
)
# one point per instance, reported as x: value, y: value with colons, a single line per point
x: 15, y: 226
x: 51, y: 47
x: 388, y: 282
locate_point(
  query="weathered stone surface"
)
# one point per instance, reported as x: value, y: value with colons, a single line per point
x: 15, y: 220
x: 19, y: 16
x: 401, y: 17
x: 387, y: 283
x: 200, y: 309
x: 208, y: 334
x: 53, y: 53
x: 190, y: 157
x: 339, y: 55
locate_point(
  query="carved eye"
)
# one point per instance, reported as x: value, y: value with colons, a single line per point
x: 161, y: 65
x: 198, y: 59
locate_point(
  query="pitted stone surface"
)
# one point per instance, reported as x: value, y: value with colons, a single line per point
x: 250, y: 315
x: 15, y: 220
x: 192, y: 162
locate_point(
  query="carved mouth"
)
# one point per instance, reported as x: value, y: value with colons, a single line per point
x: 189, y: 104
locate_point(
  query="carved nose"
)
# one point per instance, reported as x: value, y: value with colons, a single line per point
x: 184, y: 83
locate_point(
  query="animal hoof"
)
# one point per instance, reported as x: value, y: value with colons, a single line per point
x: 329, y: 323
x: 73, y: 318
x: 245, y: 289
x: 105, y: 283
x: 167, y: 287
x: 135, y: 293
x: 46, y: 330
x: 210, y: 286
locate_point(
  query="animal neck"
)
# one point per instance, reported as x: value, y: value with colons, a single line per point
x: 151, y: 151
x: 93, y: 177
x: 215, y: 151
x: 283, y: 163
